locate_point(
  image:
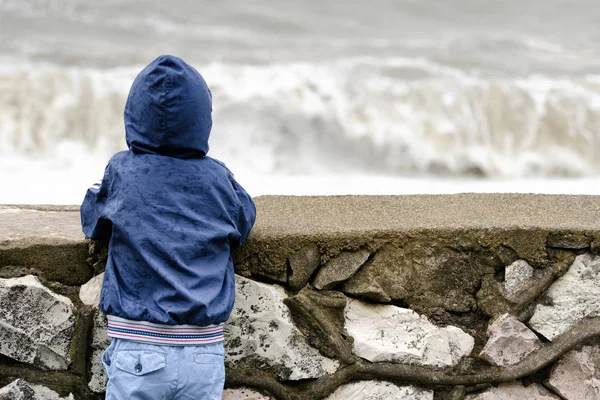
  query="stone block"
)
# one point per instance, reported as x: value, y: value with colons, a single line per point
x: 571, y: 241
x: 390, y: 333
x: 514, y: 391
x: 517, y: 278
x: 23, y: 390
x: 36, y: 324
x: 256, y: 267
x: 302, y: 265
x: 89, y: 293
x: 100, y: 341
x: 574, y: 296
x: 379, y: 390
x: 260, y: 334
x: 510, y: 341
x: 320, y: 316
x: 577, y: 375
x: 243, y: 394
x: 423, y: 276
x: 340, y: 268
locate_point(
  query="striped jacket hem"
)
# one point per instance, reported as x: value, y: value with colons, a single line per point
x: 170, y: 335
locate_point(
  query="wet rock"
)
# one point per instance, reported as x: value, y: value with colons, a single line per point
x: 98, y: 378
x: 574, y: 296
x: 368, y: 289
x: 320, y: 316
x: 509, y: 342
x: 256, y: 267
x: 514, y: 391
x: 36, y: 325
x: 577, y: 375
x: 390, y: 333
x: 490, y: 297
x: 260, y: 334
x: 379, y: 390
x: 423, y: 276
x: 89, y: 293
x: 243, y: 394
x: 100, y: 341
x: 451, y: 393
x: 595, y: 246
x: 507, y: 255
x: 518, y: 276
x: 572, y: 241
x: 23, y: 390
x: 17, y: 389
x: 302, y: 265
x: 340, y: 268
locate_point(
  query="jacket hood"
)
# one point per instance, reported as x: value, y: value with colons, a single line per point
x: 169, y: 110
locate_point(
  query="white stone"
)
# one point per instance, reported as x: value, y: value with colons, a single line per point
x: 98, y: 379
x: 390, y: 333
x: 517, y: 277
x: 22, y: 390
x: 577, y: 375
x: 36, y: 325
x: 573, y: 297
x: 243, y: 394
x: 100, y: 341
x: 379, y: 390
x: 43, y: 393
x: 514, y: 391
x: 89, y: 293
x: 510, y: 341
x: 260, y: 333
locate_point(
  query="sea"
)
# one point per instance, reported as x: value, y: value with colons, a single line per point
x: 314, y: 97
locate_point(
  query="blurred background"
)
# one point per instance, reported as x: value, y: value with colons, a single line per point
x: 314, y: 96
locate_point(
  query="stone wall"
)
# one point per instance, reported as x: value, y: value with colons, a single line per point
x: 414, y: 297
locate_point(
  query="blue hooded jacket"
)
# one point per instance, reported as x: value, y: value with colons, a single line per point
x: 171, y: 213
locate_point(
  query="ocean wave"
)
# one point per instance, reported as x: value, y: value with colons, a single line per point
x: 396, y: 116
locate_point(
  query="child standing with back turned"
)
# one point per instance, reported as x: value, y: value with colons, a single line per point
x: 171, y: 215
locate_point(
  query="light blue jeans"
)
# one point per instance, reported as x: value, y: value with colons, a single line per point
x: 140, y: 371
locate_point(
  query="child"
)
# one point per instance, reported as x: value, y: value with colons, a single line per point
x: 171, y: 215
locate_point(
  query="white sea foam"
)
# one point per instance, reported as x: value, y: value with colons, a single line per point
x: 393, y: 97
x: 355, y: 115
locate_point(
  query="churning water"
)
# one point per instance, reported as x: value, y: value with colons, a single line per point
x: 314, y: 96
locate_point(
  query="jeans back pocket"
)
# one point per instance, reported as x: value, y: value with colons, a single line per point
x: 140, y: 362
x: 212, y: 353
x: 206, y: 358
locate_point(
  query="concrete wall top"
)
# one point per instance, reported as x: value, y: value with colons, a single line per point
x: 280, y: 216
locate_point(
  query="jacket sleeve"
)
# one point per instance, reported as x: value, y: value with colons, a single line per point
x: 94, y: 222
x: 246, y: 214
